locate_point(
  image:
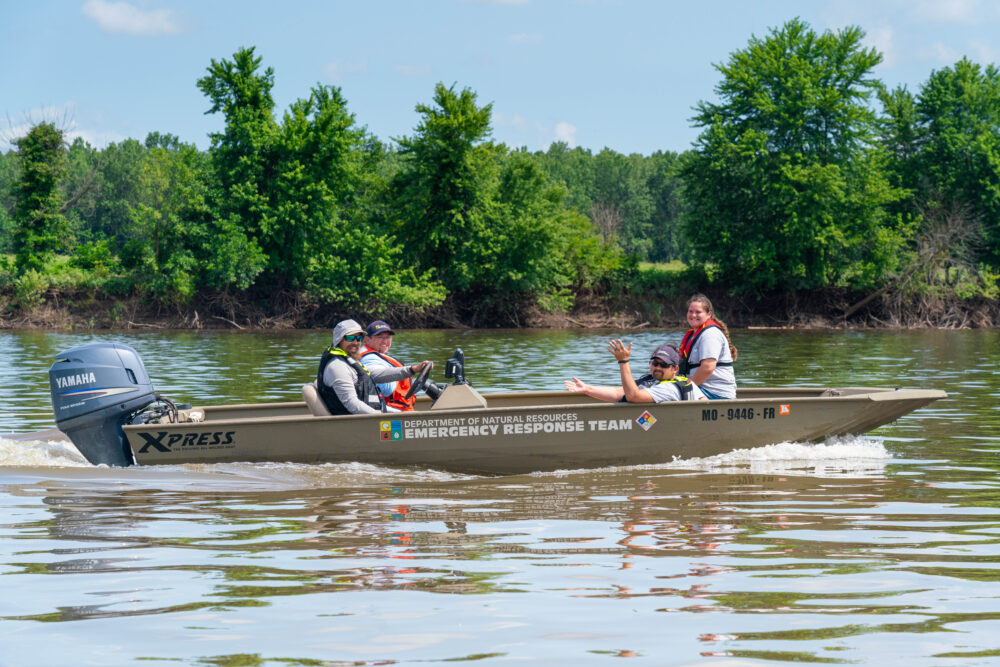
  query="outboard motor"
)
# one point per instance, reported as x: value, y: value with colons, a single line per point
x: 95, y: 389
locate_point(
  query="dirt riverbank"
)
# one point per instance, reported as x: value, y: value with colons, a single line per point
x: 819, y: 309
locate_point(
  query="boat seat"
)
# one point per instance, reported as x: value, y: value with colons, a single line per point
x: 316, y: 405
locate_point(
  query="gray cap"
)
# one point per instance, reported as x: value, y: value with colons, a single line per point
x: 345, y: 327
x: 667, y: 354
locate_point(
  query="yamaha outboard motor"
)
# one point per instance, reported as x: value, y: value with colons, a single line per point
x: 95, y: 389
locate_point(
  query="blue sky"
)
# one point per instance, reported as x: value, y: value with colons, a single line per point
x: 622, y: 74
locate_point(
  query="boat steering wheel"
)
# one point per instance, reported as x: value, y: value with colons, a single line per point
x: 420, y: 380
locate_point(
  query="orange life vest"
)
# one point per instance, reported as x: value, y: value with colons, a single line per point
x: 396, y: 400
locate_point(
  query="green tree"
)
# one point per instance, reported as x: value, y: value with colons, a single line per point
x: 321, y: 243
x: 80, y: 186
x: 959, y: 148
x: 242, y: 159
x: 622, y: 204
x: 666, y: 238
x: 119, y: 166
x: 489, y: 222
x: 169, y: 240
x: 574, y: 169
x: 785, y: 188
x: 901, y: 135
x: 41, y: 228
x: 445, y: 189
x: 10, y: 174
x: 285, y: 193
x: 315, y: 175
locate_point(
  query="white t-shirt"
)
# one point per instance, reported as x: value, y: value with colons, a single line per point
x: 712, y: 344
x: 669, y: 391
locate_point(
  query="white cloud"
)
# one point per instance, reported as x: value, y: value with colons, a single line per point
x: 948, y: 11
x: 517, y: 130
x: 525, y: 38
x: 943, y: 54
x: 566, y: 132
x: 883, y: 40
x: 339, y: 69
x: 515, y: 121
x: 96, y: 138
x: 983, y: 53
x: 123, y: 17
x: 412, y: 71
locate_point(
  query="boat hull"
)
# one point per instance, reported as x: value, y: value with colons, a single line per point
x: 524, y: 432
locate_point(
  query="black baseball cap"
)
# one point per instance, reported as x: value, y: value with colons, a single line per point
x: 378, y: 327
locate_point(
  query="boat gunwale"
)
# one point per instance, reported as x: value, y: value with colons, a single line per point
x: 868, y: 394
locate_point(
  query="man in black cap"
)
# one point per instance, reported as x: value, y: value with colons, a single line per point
x: 662, y: 384
x: 375, y: 354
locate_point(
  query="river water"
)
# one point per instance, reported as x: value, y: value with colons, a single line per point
x: 879, y: 549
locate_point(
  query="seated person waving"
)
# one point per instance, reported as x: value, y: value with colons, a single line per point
x: 662, y: 384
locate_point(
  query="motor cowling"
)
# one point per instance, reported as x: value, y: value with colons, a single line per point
x: 95, y: 389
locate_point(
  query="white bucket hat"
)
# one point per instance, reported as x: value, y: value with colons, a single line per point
x: 345, y: 327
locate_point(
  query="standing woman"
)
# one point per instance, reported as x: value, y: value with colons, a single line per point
x: 707, y: 354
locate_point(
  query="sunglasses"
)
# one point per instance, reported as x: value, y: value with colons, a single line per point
x: 659, y: 364
x: 354, y: 337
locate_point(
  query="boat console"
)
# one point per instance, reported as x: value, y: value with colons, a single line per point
x: 459, y: 397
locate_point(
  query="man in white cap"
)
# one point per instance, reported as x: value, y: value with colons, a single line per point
x: 343, y: 382
x: 662, y: 384
x: 375, y: 354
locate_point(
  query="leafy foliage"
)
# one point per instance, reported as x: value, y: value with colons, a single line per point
x: 958, y: 111
x: 40, y: 227
x: 283, y: 193
x: 794, y: 184
x: 786, y: 189
x: 488, y: 222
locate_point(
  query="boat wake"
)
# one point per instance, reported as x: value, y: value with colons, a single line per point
x: 40, y: 454
x: 846, y: 456
x: 22, y: 452
x: 850, y: 456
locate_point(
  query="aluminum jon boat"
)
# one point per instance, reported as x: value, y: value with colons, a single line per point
x: 104, y: 402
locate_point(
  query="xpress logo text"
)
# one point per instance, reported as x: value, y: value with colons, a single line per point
x: 164, y: 442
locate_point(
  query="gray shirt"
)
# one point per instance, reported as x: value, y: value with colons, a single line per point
x: 712, y: 344
x: 341, y: 378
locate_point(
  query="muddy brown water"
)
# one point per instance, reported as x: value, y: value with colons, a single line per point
x: 882, y: 549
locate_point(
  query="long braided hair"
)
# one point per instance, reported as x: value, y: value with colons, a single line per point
x: 707, y: 305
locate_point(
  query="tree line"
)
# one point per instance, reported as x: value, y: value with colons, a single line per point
x: 808, y: 174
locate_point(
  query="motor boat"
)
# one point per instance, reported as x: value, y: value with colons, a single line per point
x: 105, y: 403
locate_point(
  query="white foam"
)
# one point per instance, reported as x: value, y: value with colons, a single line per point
x: 849, y: 456
x: 41, y: 453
